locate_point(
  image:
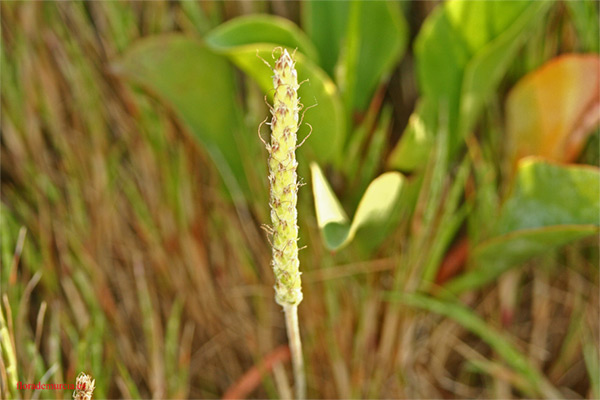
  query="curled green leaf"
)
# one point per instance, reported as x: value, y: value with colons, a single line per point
x: 373, y: 213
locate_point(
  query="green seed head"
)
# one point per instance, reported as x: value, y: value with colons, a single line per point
x: 283, y: 182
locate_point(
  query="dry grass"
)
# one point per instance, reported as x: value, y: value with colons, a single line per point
x: 137, y: 269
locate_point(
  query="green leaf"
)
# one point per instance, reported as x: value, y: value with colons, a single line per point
x: 549, y: 194
x: 496, y: 340
x: 474, y: 42
x: 331, y: 217
x: 360, y: 42
x: 483, y: 73
x: 199, y: 86
x: 550, y: 206
x: 372, y: 215
x: 325, y: 23
x: 376, y: 38
x: 327, y: 118
x: 261, y: 28
x: 376, y: 212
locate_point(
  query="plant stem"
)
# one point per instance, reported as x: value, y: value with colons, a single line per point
x: 293, y: 332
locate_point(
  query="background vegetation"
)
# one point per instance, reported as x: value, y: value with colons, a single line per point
x: 451, y: 213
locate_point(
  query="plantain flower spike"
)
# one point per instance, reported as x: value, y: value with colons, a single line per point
x: 282, y: 200
x: 284, y: 183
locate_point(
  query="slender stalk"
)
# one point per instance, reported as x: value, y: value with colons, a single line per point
x: 293, y: 332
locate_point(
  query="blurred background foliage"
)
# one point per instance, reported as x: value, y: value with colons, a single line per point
x: 460, y: 137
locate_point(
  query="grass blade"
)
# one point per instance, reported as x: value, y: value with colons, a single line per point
x: 496, y: 340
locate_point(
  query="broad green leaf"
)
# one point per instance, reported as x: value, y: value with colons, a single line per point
x: 489, y: 63
x: 376, y: 38
x: 261, y: 28
x: 360, y: 42
x: 325, y: 23
x: 327, y: 118
x: 550, y: 205
x: 199, y: 86
x: 547, y: 194
x: 553, y: 110
x: 502, y: 345
x: 462, y: 52
x: 373, y: 213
